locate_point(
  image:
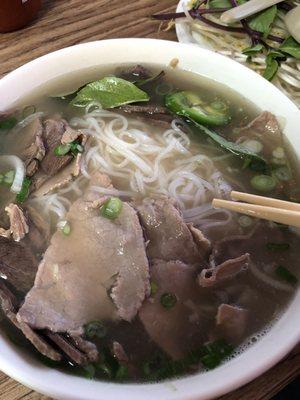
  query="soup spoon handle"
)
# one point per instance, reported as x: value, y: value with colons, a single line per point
x: 246, y: 9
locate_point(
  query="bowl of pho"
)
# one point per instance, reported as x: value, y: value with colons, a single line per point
x: 118, y: 279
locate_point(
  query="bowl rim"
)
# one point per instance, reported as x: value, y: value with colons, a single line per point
x: 227, y: 377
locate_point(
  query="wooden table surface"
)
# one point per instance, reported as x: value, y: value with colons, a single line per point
x: 63, y: 23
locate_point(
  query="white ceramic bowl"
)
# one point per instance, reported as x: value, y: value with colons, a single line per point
x: 285, y: 333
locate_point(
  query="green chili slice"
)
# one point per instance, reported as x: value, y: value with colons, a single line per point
x: 190, y: 105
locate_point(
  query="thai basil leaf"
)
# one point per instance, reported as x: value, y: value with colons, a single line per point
x: 110, y: 92
x: 220, y: 4
x: 223, y: 3
x: 249, y: 51
x: 232, y: 147
x: 292, y: 47
x: 278, y: 55
x: 271, y: 68
x: 262, y: 21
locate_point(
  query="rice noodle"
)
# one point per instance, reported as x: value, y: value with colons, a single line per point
x: 232, y: 44
x: 142, y: 159
x: 269, y: 280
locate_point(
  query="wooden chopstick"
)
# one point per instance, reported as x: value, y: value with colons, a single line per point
x: 265, y: 201
x: 283, y: 212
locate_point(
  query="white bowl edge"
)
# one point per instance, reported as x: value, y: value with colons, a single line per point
x: 286, y: 332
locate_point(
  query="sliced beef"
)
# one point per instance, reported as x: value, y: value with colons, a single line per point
x: 18, y: 264
x: 18, y: 222
x: 176, y: 330
x: 72, y: 352
x: 88, y: 348
x: 135, y: 73
x: 38, y: 237
x: 232, y: 321
x: 53, y: 133
x: 227, y: 270
x: 98, y: 272
x: 70, y: 135
x: 169, y: 237
x: 28, y: 144
x: 9, y: 306
x: 266, y: 130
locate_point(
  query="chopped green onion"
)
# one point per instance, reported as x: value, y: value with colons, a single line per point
x: 29, y: 110
x: 278, y: 246
x: 278, y: 152
x: 111, y: 208
x: 76, y: 148
x: 66, y: 230
x: 122, y: 373
x: 283, y: 174
x: 245, y: 221
x: 168, y: 300
x: 89, y: 371
x: 9, y: 178
x: 285, y: 274
x: 95, y: 329
x: 62, y: 149
x: 214, y: 353
x: 263, y: 183
x: 8, y: 123
x: 154, y: 288
x: 23, y: 194
x: 210, y: 361
x: 105, y: 369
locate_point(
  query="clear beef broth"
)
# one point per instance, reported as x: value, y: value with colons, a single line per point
x: 192, y: 318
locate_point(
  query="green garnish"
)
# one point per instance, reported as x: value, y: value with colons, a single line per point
x: 110, y: 92
x: 286, y: 275
x: 62, y: 149
x: 122, y: 373
x: 168, y: 300
x: 89, y: 371
x: 291, y: 47
x: 23, y: 194
x: 111, y: 208
x: 283, y: 174
x: 29, y: 110
x: 8, y: 123
x: 278, y: 246
x: 9, y: 177
x: 263, y: 183
x: 190, y: 105
x: 66, y: 229
x: 272, y: 66
x: 250, y: 51
x: 253, y: 159
x: 160, y: 366
x: 73, y: 147
x: 154, y: 288
x: 262, y: 21
x: 95, y: 329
